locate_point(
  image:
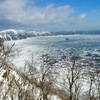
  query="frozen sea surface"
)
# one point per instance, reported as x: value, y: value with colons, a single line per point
x: 55, y: 46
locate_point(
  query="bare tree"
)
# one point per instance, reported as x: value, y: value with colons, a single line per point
x: 7, y: 53
x: 72, y: 78
x: 96, y: 69
x: 47, y: 76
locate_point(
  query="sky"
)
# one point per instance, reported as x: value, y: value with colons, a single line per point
x: 50, y: 15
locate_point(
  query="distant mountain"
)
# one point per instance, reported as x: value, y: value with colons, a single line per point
x: 76, y: 32
x: 12, y: 34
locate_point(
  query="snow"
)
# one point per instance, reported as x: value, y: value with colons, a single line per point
x: 55, y: 46
x: 12, y: 31
x: 12, y: 34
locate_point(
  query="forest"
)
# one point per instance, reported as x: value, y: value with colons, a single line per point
x: 77, y: 79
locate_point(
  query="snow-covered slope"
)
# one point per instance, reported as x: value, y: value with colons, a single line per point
x: 12, y: 34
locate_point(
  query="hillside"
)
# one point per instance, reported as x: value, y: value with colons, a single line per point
x: 12, y: 34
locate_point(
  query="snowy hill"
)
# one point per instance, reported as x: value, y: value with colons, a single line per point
x: 12, y: 34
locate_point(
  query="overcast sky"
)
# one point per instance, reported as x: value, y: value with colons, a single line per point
x: 50, y: 15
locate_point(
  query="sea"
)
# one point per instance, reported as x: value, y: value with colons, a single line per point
x: 58, y: 47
